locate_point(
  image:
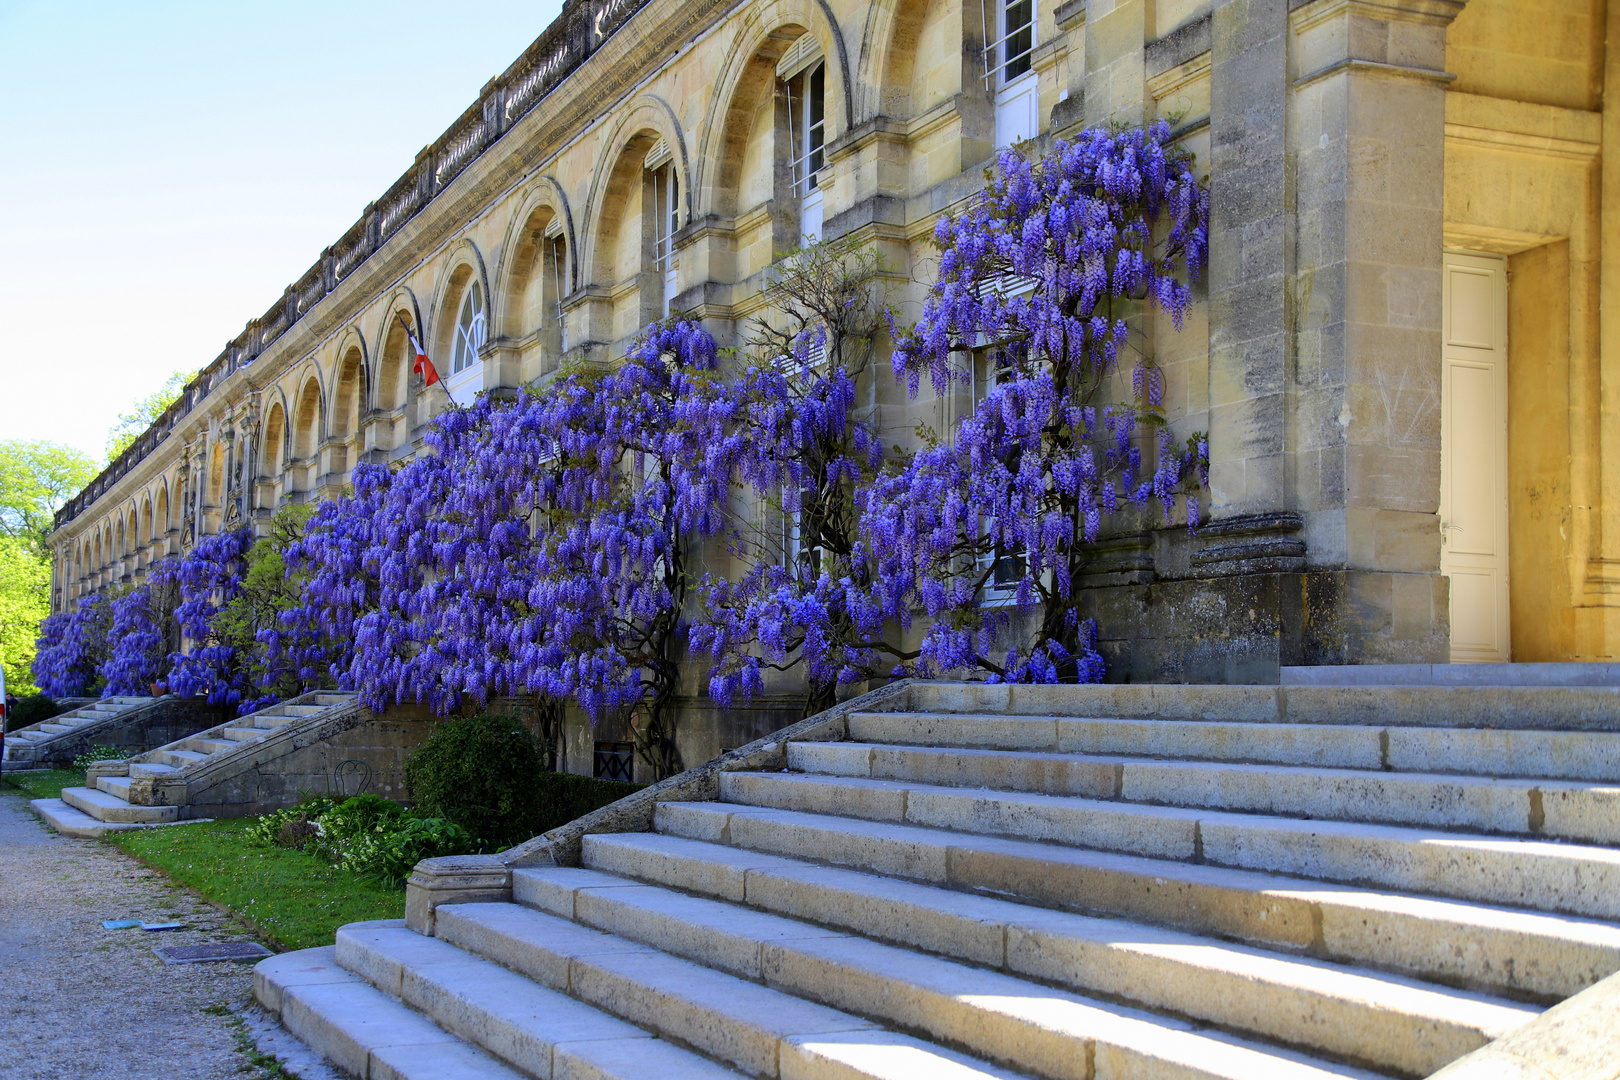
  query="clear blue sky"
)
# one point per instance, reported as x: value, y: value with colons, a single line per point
x: 169, y: 168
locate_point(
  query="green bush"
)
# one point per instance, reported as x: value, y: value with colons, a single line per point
x: 99, y: 752
x: 389, y: 849
x: 480, y: 772
x: 31, y: 710
x: 366, y: 835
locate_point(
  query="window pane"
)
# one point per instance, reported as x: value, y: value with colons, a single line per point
x: 1019, y: 39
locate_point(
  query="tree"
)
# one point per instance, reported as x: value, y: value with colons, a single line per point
x: 1040, y: 275
x: 806, y: 446
x: 25, y: 581
x: 142, y: 634
x: 145, y: 413
x: 36, y: 478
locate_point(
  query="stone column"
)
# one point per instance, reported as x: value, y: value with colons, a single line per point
x: 1361, y: 442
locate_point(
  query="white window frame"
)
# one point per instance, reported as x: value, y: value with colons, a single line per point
x: 666, y: 223
x: 1007, y: 285
x: 471, y: 327
x: 554, y: 250
x: 1009, y: 70
x: 807, y: 138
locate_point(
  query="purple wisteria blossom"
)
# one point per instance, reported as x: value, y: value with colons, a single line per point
x: 213, y: 666
x: 140, y: 652
x: 72, y: 647
x: 1039, y: 278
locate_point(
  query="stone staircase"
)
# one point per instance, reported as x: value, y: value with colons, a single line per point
x: 168, y: 784
x: 62, y: 738
x: 950, y: 881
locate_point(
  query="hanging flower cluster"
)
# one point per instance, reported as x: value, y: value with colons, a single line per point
x: 1039, y: 278
x: 72, y: 647
x: 209, y: 578
x: 139, y: 657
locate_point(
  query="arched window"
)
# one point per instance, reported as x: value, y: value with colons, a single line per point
x: 470, y: 327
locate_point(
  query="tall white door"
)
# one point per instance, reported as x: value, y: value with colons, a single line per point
x: 1473, y: 456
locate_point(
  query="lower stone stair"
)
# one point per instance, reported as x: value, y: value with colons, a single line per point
x: 934, y: 888
x: 156, y: 788
x: 61, y: 738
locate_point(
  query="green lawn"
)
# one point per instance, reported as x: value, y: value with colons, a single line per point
x: 44, y: 785
x: 295, y: 901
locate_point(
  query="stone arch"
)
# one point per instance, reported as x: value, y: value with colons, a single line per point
x: 889, y: 44
x: 119, y: 549
x: 96, y: 562
x: 349, y: 395
x: 161, y: 517
x: 148, y: 530
x: 132, y: 532
x: 393, y: 365
x: 648, y: 119
x: 272, y: 449
x: 216, y: 473
x: 350, y: 342
x: 545, y: 203
x: 308, y: 423
x: 764, y: 36
x: 466, y: 265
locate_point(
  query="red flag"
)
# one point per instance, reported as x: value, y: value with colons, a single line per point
x: 423, y: 366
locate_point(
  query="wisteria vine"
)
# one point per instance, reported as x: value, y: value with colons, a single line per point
x: 563, y: 544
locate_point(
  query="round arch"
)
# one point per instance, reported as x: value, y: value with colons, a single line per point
x: 546, y: 201
x: 765, y: 34
x: 887, y: 59
x: 309, y: 415
x: 648, y: 119
x: 464, y: 264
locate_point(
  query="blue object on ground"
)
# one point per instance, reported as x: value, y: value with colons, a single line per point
x: 119, y: 924
x: 162, y: 925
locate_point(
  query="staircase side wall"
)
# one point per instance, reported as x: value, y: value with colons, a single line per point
x: 368, y: 757
x: 135, y: 732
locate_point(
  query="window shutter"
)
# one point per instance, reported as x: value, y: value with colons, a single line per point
x: 658, y: 156
x: 801, y: 55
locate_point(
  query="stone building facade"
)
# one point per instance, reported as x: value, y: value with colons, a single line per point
x: 1406, y: 351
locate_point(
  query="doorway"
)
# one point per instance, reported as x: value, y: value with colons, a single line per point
x: 1474, y: 455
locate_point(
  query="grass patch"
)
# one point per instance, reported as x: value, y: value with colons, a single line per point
x: 293, y: 900
x: 44, y: 785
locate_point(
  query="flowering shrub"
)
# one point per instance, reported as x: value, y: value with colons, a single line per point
x: 802, y: 445
x: 139, y: 647
x: 72, y: 647
x: 210, y: 577
x: 1039, y: 275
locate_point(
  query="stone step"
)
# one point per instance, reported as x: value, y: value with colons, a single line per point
x: 242, y: 734
x: 1035, y: 1029
x: 296, y: 711
x: 1569, y: 755
x: 1552, y: 708
x: 1388, y: 1021
x: 482, y: 996
x: 180, y: 758
x: 270, y: 722
x: 207, y: 746
x: 147, y: 768
x: 71, y: 821
x: 109, y: 807
x: 361, y: 1029
x: 115, y: 786
x: 51, y: 728
x: 1562, y: 809
x: 1567, y: 878
x: 1523, y: 953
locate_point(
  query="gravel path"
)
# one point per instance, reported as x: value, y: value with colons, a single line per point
x: 79, y: 1001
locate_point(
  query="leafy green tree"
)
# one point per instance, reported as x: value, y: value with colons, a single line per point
x: 25, y: 582
x: 145, y: 413
x: 36, y: 478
